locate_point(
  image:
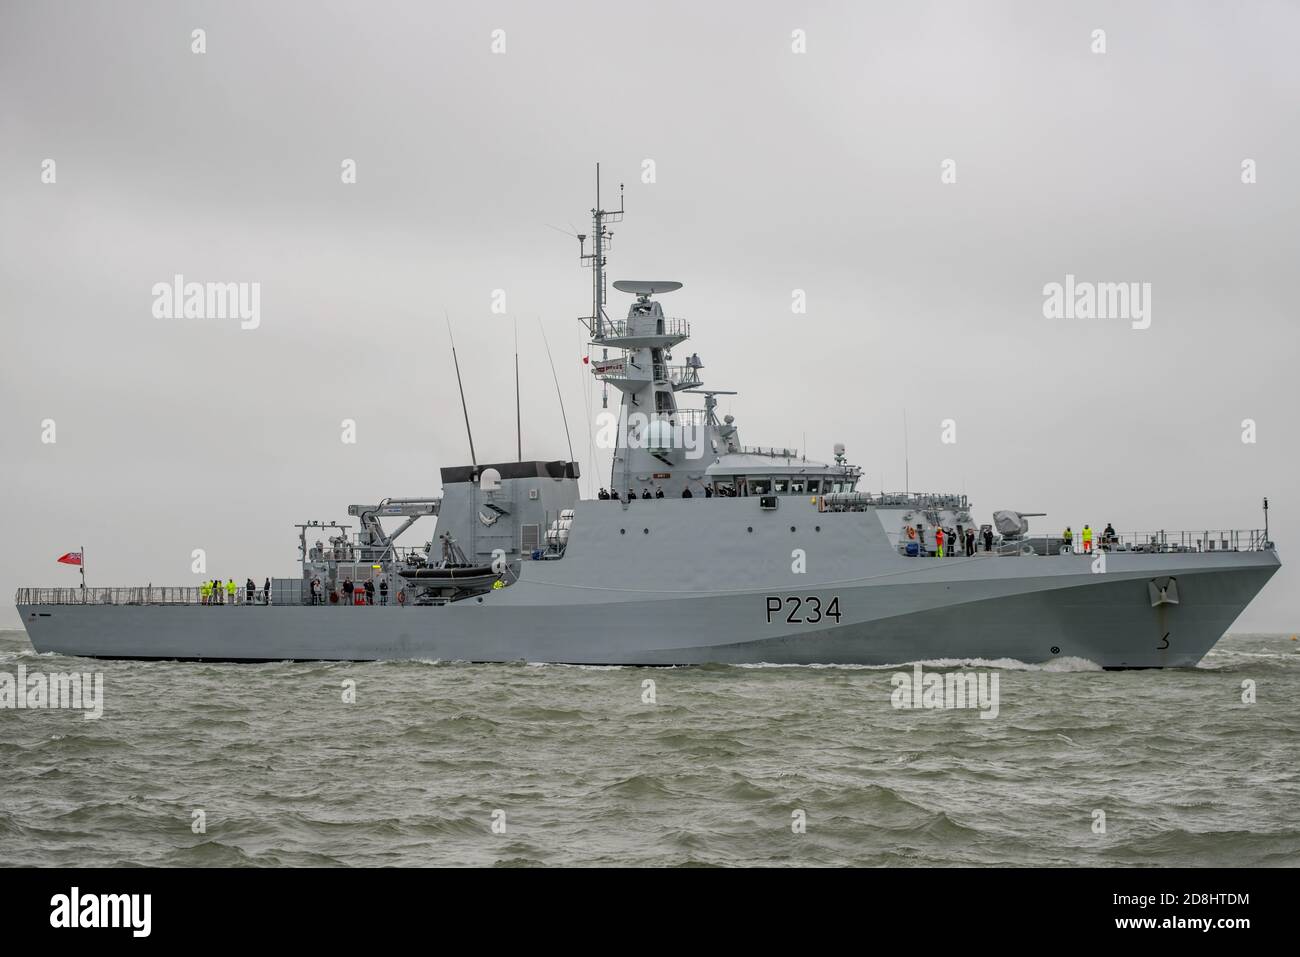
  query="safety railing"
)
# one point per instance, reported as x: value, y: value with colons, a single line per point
x: 1158, y: 542
x: 144, y: 595
x: 647, y: 328
x: 283, y: 592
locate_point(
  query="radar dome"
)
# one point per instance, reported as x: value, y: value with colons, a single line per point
x: 489, y: 480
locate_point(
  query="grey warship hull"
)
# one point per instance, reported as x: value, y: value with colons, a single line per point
x: 858, y: 601
x: 702, y: 549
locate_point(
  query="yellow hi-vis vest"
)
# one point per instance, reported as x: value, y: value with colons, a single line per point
x: 230, y: 588
x: 1087, y: 534
x: 205, y: 589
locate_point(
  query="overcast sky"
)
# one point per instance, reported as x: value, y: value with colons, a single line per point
x: 774, y: 171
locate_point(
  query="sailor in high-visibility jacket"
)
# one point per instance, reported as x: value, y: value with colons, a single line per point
x: 938, y: 540
x: 1087, y: 539
x: 231, y: 589
x: 1067, y: 538
x: 205, y: 592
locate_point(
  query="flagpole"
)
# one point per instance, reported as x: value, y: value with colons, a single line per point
x: 83, y: 570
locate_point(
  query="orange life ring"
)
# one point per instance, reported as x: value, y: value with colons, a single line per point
x: 911, y: 532
x: 401, y: 597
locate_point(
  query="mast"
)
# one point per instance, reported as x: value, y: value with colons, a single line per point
x: 519, y: 426
x: 600, y: 237
x: 464, y: 408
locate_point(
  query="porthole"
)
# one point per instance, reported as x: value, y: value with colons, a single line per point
x: 792, y: 528
x: 646, y: 530
x: 817, y: 528
x: 622, y: 531
x: 750, y: 529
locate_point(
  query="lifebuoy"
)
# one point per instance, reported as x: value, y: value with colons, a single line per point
x: 401, y: 597
x: 911, y: 532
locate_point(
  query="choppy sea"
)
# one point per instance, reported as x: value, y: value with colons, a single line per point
x: 458, y: 764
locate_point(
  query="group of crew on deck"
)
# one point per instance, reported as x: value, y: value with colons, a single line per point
x: 350, y: 592
x: 609, y: 495
x: 215, y: 593
x: 949, y: 542
x: 1108, y: 538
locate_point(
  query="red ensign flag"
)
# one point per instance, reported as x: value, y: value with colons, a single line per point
x: 71, y: 558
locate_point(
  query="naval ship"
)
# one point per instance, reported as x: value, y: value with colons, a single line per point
x: 699, y: 549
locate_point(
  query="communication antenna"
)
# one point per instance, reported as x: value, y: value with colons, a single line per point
x: 464, y: 408
x: 519, y: 427
x: 558, y: 394
x: 907, y: 468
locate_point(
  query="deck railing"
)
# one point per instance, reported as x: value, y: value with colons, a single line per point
x: 1158, y: 542
x: 146, y: 595
x: 284, y: 592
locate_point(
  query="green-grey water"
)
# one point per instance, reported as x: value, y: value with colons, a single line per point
x: 582, y: 769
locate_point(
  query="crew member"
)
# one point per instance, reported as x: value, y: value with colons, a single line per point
x: 370, y: 591
x: 686, y: 493
x: 232, y: 590
x: 1067, y: 538
x: 383, y: 586
x: 205, y: 592
x: 1087, y: 539
x: 938, y: 540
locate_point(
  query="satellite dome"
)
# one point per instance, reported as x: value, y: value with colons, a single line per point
x: 489, y: 480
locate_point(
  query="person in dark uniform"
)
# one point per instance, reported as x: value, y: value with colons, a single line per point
x: 383, y: 588
x: 708, y: 491
x: 988, y: 539
x: 659, y: 493
x: 645, y: 493
x: 370, y: 591
x: 686, y: 493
